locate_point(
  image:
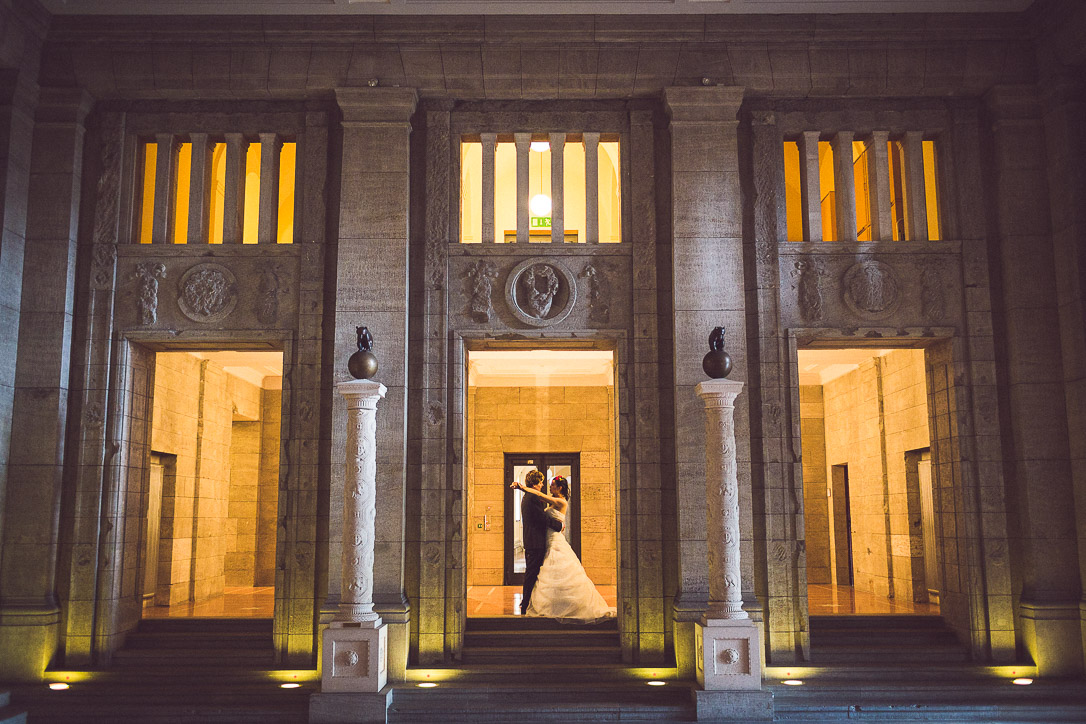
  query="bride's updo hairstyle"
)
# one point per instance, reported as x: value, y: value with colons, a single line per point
x: 562, y: 484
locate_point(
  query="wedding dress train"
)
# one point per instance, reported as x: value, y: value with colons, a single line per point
x: 564, y: 591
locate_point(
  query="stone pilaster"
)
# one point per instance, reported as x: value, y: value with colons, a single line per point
x: 1036, y: 443
x: 371, y: 289
x: 40, y: 410
x: 708, y: 291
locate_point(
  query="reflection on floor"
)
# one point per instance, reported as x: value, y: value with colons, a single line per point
x: 505, y: 600
x: 241, y: 602
x: 825, y: 599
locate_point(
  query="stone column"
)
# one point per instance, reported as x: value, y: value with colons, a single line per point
x: 728, y: 644
x: 356, y: 642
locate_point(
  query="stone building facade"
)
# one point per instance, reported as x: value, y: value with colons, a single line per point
x: 702, y: 106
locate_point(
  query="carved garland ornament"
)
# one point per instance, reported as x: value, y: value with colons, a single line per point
x: 209, y: 292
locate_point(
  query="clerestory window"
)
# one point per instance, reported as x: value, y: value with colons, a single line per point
x: 525, y: 188
x: 202, y: 189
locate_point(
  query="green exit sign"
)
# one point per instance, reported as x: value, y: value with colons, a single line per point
x: 541, y: 222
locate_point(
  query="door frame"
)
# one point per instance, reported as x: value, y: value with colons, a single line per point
x: 541, y: 461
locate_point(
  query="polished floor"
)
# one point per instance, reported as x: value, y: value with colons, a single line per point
x: 248, y: 602
x: 828, y: 600
x: 241, y: 602
x: 505, y: 600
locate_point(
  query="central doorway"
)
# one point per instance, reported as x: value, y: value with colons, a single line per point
x: 551, y: 410
x: 517, y: 467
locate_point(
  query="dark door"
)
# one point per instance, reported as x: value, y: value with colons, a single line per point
x: 517, y: 466
x: 842, y: 525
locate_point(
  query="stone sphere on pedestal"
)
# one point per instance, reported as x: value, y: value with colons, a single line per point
x: 362, y: 364
x: 717, y: 363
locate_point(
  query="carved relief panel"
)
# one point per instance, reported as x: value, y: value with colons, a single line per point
x: 178, y: 288
x: 858, y: 286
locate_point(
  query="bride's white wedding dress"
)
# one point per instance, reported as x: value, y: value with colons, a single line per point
x: 564, y: 591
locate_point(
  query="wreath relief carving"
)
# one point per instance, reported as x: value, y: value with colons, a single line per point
x: 540, y: 292
x: 208, y: 293
x: 870, y: 289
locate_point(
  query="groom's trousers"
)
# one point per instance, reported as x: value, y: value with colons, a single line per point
x: 533, y: 561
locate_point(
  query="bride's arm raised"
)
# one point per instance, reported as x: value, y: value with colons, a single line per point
x: 549, y: 498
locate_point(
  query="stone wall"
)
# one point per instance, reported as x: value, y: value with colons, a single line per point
x: 539, y: 420
x: 873, y: 417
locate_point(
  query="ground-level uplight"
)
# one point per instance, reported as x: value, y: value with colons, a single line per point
x: 792, y: 682
x: 59, y: 686
x: 657, y: 683
x: 1022, y: 681
x: 289, y: 686
x: 426, y: 685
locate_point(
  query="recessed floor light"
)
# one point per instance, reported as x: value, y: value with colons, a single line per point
x: 426, y: 685
x: 657, y: 683
x: 59, y: 686
x: 289, y: 686
x: 792, y: 682
x: 1022, y: 682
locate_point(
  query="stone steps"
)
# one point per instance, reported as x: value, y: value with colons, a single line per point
x: 506, y: 702
x: 198, y: 643
x: 972, y: 699
x: 513, y: 641
x: 875, y: 640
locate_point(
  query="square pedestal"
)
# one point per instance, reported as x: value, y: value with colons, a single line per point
x: 355, y: 659
x: 728, y: 655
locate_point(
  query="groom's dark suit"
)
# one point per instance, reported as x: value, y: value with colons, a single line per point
x: 534, y: 523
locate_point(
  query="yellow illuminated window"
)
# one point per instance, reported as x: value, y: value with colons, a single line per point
x: 252, y: 194
x: 540, y: 213
x: 898, y: 198
x: 147, y: 195
x: 931, y: 178
x: 181, y: 200
x: 793, y: 195
x: 863, y: 194
x: 829, y: 196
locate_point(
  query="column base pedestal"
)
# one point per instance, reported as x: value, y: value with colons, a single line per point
x: 738, y: 706
x: 350, y: 707
x: 354, y: 659
x: 728, y: 655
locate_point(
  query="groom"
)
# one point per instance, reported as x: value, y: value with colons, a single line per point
x: 534, y: 522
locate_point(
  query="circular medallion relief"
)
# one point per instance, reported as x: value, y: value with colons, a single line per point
x: 540, y: 292
x: 209, y: 292
x: 870, y: 290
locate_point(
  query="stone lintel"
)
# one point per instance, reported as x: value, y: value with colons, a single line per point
x: 706, y: 104
x: 377, y: 105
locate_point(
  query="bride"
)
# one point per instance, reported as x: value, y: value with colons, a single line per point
x: 563, y: 590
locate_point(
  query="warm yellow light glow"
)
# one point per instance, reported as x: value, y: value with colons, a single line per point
x: 287, y: 163
x: 294, y: 676
x: 539, y: 146
x: 540, y: 205
x: 218, y: 192
x: 289, y: 686
x: 58, y: 686
x: 426, y: 685
x: 252, y: 194
x: 827, y: 190
x: 181, y: 199
x: 657, y: 683
x: 792, y: 682
x: 1022, y: 682
x: 147, y: 198
x: 610, y: 197
x: 931, y: 175
x: 863, y: 195
x: 793, y: 199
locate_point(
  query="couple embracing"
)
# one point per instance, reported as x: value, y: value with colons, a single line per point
x: 555, y: 583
